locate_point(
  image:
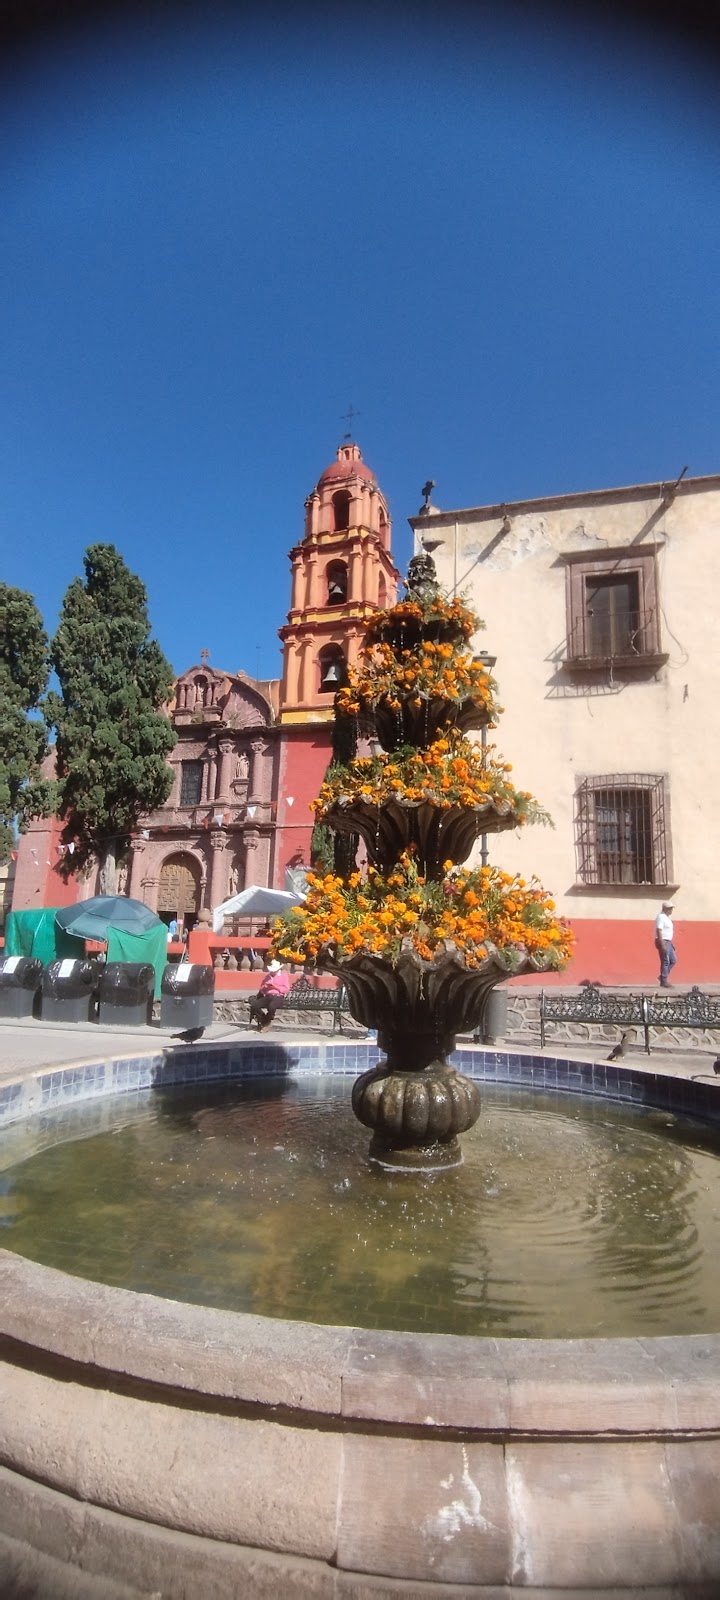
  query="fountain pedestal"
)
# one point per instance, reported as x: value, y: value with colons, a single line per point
x: 415, y: 1116
x: 415, y: 1102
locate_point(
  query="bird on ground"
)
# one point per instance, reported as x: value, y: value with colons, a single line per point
x: 618, y: 1050
x: 190, y: 1035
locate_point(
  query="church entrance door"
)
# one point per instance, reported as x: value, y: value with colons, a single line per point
x: 179, y: 889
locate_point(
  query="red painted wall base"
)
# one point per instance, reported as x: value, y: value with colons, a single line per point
x: 623, y: 952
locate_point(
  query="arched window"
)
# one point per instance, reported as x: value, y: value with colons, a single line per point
x: 341, y: 510
x: 383, y: 527
x: 337, y: 582
x: 331, y: 662
x: 382, y: 591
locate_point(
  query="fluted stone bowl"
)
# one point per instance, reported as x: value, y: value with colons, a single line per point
x: 421, y: 720
x: 436, y: 833
x: 414, y: 1101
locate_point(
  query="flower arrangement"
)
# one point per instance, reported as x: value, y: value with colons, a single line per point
x: 418, y: 806
x: 381, y: 914
x: 452, y: 771
x: 425, y: 607
x: 431, y: 669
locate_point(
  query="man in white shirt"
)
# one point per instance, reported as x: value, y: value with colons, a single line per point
x: 664, y: 935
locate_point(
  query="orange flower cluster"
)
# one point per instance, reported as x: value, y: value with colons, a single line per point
x: 380, y: 914
x: 448, y: 615
x: 435, y: 668
x: 450, y: 772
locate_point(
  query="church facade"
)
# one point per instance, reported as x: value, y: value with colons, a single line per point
x: 250, y: 755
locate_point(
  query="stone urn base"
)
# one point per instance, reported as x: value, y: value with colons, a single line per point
x: 414, y: 1101
x: 416, y: 1116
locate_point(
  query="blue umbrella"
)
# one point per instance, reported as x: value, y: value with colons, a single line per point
x: 90, y: 919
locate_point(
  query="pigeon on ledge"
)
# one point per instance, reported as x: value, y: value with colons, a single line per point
x: 190, y: 1035
x: 618, y: 1050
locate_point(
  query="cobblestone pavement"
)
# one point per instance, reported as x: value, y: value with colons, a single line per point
x: 27, y: 1045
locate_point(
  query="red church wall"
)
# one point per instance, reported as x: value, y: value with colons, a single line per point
x: 305, y: 752
x: 614, y: 952
x: 38, y: 880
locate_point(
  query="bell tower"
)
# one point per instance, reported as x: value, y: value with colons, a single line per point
x: 341, y: 572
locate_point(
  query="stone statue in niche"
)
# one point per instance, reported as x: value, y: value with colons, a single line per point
x: 242, y: 767
x: 237, y: 874
x: 121, y: 882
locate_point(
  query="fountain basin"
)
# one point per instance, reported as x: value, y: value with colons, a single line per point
x: 148, y: 1440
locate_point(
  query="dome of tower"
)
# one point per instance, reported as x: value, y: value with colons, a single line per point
x: 349, y: 464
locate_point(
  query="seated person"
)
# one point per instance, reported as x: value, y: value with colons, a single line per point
x: 274, y: 986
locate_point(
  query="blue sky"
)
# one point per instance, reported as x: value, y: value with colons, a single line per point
x: 498, y: 239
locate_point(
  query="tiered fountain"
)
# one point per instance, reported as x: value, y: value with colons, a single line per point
x: 152, y: 1443
x: 418, y: 940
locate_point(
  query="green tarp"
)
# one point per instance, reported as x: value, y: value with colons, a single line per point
x: 36, y: 933
x: 150, y: 946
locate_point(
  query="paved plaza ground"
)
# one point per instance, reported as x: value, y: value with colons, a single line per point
x: 27, y: 1046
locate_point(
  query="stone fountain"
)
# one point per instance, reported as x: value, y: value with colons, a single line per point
x: 421, y: 971
x: 151, y: 1446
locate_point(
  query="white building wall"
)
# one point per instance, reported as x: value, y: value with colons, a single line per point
x: 560, y: 724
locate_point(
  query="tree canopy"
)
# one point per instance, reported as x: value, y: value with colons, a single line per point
x: 24, y: 666
x: 113, y: 737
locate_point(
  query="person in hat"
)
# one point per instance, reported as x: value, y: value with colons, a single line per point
x: 274, y: 986
x: 664, y: 937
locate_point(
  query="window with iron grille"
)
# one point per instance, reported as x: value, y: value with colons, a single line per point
x: 620, y: 829
x: 613, y: 609
x: 190, y: 782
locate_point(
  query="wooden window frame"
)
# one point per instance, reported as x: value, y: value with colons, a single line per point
x: 639, y: 563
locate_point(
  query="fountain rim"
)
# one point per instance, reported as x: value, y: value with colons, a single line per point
x: 439, y: 1383
x: 315, y: 1375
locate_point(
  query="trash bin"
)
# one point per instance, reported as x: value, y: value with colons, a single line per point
x: 20, y: 980
x: 186, y: 996
x: 125, y: 993
x: 493, y: 1025
x: 68, y: 991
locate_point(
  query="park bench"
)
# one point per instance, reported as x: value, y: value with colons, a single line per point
x: 594, y: 1005
x: 304, y: 996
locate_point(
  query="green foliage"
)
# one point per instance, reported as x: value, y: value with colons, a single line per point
x: 322, y: 848
x: 336, y: 852
x: 24, y: 665
x: 112, y: 735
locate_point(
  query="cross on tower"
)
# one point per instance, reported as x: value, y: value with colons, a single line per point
x: 204, y: 656
x: 348, y: 416
x: 427, y: 491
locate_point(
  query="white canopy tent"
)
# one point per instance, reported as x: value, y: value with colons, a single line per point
x: 255, y: 902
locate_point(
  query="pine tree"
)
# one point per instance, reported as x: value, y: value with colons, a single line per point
x: 112, y: 736
x: 24, y: 666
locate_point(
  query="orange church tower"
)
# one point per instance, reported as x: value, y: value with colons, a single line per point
x: 342, y: 571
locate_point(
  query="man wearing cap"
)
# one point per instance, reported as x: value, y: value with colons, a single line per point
x: 664, y: 934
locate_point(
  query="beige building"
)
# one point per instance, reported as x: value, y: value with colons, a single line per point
x: 600, y: 611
